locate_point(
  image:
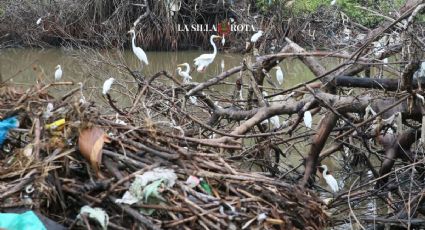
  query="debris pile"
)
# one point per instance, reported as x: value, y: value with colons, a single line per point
x: 79, y: 167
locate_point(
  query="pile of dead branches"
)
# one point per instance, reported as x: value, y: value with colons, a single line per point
x: 66, y: 154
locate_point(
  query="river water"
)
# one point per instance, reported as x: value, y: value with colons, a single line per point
x: 27, y: 66
x: 19, y: 62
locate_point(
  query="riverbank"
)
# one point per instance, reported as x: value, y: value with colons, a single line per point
x: 162, y: 27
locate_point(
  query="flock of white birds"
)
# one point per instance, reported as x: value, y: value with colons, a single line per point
x: 201, y: 63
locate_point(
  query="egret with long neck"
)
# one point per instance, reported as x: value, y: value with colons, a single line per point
x: 330, y: 180
x: 204, y: 60
x: 186, y: 73
x: 140, y: 54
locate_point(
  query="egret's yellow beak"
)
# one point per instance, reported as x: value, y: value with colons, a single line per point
x: 180, y: 65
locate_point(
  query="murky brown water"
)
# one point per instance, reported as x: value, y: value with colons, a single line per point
x: 19, y: 63
x: 26, y: 66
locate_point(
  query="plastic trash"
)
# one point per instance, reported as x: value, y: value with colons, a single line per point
x: 147, y: 185
x: 56, y: 124
x: 5, y: 126
x: 206, y: 186
x: 24, y: 221
x: 97, y: 214
x: 192, y: 181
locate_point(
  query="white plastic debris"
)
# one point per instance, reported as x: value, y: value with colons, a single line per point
x: 97, y: 214
x: 127, y: 198
x: 261, y: 217
x: 139, y: 190
x: 167, y: 175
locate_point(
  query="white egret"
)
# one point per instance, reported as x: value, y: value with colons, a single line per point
x: 185, y: 74
x: 216, y: 104
x: 119, y: 121
x: 419, y: 75
x: 256, y: 36
x: 82, y: 98
x: 107, y: 85
x: 330, y: 180
x: 140, y: 54
x: 308, y: 119
x: 275, y: 121
x: 385, y: 61
x: 223, y: 40
x: 58, y: 73
x: 39, y: 21
x: 48, y: 112
x: 333, y: 2
x: 193, y: 100
x: 279, y: 74
x: 204, y: 60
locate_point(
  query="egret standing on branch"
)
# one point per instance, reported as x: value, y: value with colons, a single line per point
x: 279, y: 74
x: 58, y: 73
x: 204, y: 60
x: 256, y: 36
x: 308, y: 119
x: 140, y: 54
x: 185, y: 74
x: 330, y: 180
x: 82, y: 98
x: 107, y: 85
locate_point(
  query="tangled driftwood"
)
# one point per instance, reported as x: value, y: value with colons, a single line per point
x: 63, y: 181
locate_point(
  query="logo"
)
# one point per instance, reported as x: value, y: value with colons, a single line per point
x: 224, y: 27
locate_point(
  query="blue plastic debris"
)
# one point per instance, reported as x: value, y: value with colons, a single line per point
x: 24, y: 221
x: 5, y: 125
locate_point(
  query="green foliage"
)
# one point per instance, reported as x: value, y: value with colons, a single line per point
x: 350, y: 7
x: 352, y: 10
x: 308, y: 6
